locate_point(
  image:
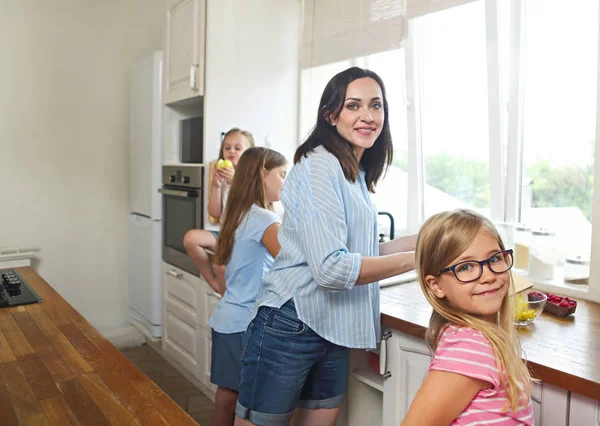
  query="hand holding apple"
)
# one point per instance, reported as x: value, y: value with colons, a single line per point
x: 227, y: 173
x: 224, y: 164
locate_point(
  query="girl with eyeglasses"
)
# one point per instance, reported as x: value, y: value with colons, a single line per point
x: 476, y: 374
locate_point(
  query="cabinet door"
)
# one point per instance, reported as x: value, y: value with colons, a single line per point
x: 185, y: 46
x: 408, y: 362
x: 180, y: 340
x: 550, y: 405
x: 584, y: 411
x: 204, y: 358
x: 180, y: 303
x: 180, y: 291
x: 210, y: 300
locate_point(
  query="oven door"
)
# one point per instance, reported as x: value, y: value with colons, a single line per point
x: 182, y: 211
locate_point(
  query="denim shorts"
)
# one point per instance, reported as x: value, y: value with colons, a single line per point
x: 226, y: 354
x: 287, y: 365
x: 215, y: 233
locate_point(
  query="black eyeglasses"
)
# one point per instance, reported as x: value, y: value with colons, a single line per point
x: 471, y: 270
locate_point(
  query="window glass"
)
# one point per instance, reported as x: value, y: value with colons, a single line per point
x: 559, y: 123
x: 454, y: 109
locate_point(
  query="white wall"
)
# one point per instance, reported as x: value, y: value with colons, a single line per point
x: 251, y: 80
x: 64, y: 101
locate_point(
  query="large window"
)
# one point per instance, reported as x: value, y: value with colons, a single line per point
x: 494, y: 109
x: 452, y: 54
x: 559, y: 121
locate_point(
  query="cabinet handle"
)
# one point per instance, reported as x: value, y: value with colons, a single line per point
x: 174, y: 273
x: 383, y: 355
x: 194, y: 77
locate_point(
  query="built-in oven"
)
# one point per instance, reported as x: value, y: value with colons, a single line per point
x: 183, y: 206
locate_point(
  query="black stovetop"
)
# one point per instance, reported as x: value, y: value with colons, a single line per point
x: 14, y: 291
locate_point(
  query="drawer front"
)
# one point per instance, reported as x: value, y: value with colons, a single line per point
x: 180, y: 340
x: 181, y: 287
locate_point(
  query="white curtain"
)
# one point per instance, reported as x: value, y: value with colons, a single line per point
x: 337, y: 30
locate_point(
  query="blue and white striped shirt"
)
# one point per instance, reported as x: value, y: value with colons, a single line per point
x: 329, y: 224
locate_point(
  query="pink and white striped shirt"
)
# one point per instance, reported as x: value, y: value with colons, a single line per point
x: 466, y: 351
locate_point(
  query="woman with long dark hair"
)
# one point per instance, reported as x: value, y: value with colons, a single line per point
x: 321, y: 297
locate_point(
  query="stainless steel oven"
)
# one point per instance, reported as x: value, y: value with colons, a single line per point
x: 183, y: 207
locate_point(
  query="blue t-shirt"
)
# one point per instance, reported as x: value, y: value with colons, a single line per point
x: 250, y: 260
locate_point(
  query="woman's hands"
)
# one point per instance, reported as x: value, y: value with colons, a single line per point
x: 399, y: 245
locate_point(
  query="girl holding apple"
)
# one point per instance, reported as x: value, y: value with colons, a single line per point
x: 197, y: 241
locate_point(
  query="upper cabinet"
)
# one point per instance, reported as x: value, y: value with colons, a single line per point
x: 185, y: 50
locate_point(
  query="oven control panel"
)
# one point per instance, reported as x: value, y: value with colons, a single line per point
x: 189, y: 176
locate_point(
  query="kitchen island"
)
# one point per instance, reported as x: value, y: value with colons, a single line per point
x: 56, y: 369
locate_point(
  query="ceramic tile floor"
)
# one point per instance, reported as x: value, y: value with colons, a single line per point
x: 184, y: 393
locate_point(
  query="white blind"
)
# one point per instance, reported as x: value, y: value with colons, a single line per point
x: 337, y: 30
x: 417, y: 8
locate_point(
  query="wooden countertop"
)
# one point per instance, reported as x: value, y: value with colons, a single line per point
x: 56, y: 369
x: 561, y: 351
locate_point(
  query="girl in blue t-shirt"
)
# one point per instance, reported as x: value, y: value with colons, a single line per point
x: 247, y: 246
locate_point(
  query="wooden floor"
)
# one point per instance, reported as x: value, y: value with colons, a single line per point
x: 186, y: 395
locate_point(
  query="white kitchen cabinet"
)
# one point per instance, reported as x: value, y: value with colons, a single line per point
x: 205, y: 358
x: 377, y: 399
x: 184, y: 50
x: 188, y: 304
x: 208, y: 302
x: 408, y: 362
x: 180, y: 316
x: 550, y: 405
x: 364, y: 403
x: 583, y: 411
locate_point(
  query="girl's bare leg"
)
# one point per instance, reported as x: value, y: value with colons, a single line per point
x: 224, y: 412
x: 196, y: 241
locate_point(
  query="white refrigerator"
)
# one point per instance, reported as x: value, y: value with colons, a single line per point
x: 145, y: 206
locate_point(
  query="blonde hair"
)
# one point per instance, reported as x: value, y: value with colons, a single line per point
x: 443, y: 238
x: 233, y: 130
x: 247, y: 189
